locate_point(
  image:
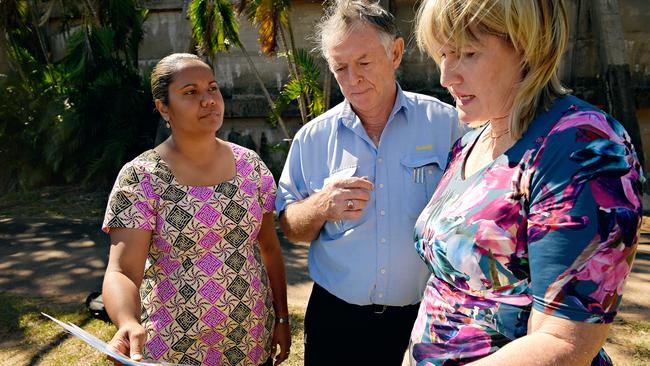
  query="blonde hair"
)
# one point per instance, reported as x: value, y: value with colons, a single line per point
x: 537, y: 29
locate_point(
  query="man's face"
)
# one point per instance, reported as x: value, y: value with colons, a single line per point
x: 363, y: 69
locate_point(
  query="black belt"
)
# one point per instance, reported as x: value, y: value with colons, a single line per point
x: 379, y: 309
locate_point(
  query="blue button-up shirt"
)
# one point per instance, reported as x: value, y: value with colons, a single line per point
x: 372, y: 260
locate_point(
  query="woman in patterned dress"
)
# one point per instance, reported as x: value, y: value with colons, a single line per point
x: 195, y: 274
x: 534, y: 225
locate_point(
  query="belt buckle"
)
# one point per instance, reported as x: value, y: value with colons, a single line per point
x: 379, y: 309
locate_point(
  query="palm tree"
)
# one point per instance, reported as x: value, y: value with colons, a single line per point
x: 272, y: 18
x: 295, y: 88
x: 215, y: 29
x: 80, y: 118
x: 109, y: 116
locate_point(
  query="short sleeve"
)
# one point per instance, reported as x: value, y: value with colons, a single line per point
x: 292, y: 186
x: 584, y: 218
x: 132, y: 201
x: 458, y: 129
x: 268, y: 189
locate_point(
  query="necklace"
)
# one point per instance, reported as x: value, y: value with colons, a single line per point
x: 499, y: 134
x: 496, y: 135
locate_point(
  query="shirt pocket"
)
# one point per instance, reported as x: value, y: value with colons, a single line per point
x: 420, y: 176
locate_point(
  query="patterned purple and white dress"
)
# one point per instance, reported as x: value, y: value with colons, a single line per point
x: 552, y: 224
x: 205, y: 296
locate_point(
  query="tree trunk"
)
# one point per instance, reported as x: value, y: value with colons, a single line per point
x: 283, y: 127
x: 294, y: 52
x: 616, y: 70
x: 93, y: 13
x: 294, y: 72
x: 14, y: 64
x: 37, y: 30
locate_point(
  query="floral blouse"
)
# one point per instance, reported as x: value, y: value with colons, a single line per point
x: 552, y: 224
x: 205, y: 296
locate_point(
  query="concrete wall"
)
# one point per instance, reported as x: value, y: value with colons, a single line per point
x: 636, y: 25
x: 168, y: 30
x: 580, y: 67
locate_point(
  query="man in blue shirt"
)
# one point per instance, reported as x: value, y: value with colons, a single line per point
x: 355, y: 181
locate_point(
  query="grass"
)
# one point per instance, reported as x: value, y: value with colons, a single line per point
x: 28, y: 338
x: 54, y: 202
x: 629, y: 342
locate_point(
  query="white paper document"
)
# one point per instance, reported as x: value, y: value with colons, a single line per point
x: 101, y: 346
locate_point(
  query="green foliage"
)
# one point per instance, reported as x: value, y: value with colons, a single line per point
x: 80, y: 119
x: 25, y: 115
x: 125, y: 18
x: 307, y: 84
x: 214, y: 26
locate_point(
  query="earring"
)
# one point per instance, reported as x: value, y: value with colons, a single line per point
x: 167, y: 122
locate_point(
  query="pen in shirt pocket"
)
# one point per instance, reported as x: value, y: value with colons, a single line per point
x: 418, y: 175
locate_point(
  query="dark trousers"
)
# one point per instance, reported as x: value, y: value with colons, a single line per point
x: 339, y: 333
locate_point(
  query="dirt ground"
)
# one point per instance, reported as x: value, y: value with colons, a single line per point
x: 65, y: 259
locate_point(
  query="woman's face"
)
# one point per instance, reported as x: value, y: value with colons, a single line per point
x: 482, y: 77
x: 195, y: 102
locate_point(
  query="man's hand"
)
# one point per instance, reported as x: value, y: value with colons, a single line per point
x: 342, y: 199
x: 345, y: 199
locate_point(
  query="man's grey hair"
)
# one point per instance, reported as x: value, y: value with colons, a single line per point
x: 344, y: 16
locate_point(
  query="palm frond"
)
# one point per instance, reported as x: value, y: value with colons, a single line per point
x: 13, y: 15
x: 229, y: 22
x: 268, y: 16
x: 199, y: 19
x: 310, y: 81
x: 214, y: 26
x: 307, y: 64
x: 267, y: 19
x: 307, y: 84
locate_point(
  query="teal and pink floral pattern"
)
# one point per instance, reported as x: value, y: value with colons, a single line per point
x: 552, y: 224
x: 205, y: 296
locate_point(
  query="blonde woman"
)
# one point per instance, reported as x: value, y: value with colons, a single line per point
x: 533, y: 228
